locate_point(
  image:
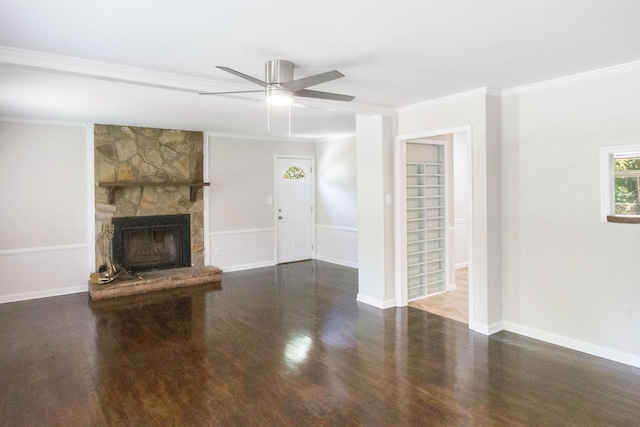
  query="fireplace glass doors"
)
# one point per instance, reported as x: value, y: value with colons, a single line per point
x: 157, y: 242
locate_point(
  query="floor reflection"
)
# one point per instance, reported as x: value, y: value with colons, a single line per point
x: 288, y: 345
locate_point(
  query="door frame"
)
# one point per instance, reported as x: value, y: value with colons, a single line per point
x: 400, y: 250
x: 276, y: 186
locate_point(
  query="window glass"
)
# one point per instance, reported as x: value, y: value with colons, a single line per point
x: 294, y: 172
x: 626, y: 183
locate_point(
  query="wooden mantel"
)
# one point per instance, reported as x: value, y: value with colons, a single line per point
x: 113, y: 186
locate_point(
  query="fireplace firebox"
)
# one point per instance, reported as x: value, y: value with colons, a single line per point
x: 157, y: 242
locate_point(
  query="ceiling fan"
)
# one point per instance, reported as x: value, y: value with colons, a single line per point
x: 280, y: 87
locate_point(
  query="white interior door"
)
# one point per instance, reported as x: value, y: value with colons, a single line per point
x: 294, y: 208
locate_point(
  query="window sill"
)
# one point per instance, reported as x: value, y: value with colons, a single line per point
x: 623, y: 219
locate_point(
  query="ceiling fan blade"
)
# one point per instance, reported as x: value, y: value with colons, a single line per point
x: 228, y: 93
x: 244, y: 76
x: 323, y: 95
x: 305, y: 82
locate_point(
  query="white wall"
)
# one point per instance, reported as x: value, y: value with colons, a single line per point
x: 336, y: 201
x: 569, y: 278
x: 43, y: 210
x: 241, y: 221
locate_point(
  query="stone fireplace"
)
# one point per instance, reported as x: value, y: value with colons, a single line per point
x: 152, y: 163
x: 149, y: 185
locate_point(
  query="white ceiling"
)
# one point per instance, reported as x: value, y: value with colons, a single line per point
x: 142, y: 62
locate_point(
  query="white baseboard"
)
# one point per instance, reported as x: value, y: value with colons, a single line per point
x: 376, y: 302
x: 241, y: 267
x: 43, y: 294
x: 451, y: 287
x: 337, y: 261
x: 573, y: 344
x: 488, y: 329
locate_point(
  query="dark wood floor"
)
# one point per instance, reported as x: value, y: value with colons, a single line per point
x: 288, y: 345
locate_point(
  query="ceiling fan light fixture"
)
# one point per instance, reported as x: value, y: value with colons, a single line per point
x: 280, y: 86
x: 277, y: 96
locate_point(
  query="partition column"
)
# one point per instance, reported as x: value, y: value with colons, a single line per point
x: 375, y: 214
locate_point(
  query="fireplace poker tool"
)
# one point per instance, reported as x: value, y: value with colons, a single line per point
x: 111, y: 271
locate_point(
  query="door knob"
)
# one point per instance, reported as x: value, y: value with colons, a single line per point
x: 279, y: 217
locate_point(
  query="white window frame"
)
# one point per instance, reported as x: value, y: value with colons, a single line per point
x: 607, y: 202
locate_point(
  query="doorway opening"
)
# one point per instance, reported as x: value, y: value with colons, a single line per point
x: 433, y: 211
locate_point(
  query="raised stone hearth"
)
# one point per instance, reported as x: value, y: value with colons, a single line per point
x: 155, y: 281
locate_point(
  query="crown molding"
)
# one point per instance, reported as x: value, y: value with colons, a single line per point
x: 494, y: 92
x: 44, y: 122
x: 575, y: 78
x: 256, y: 137
x: 105, y: 71
x: 447, y: 99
